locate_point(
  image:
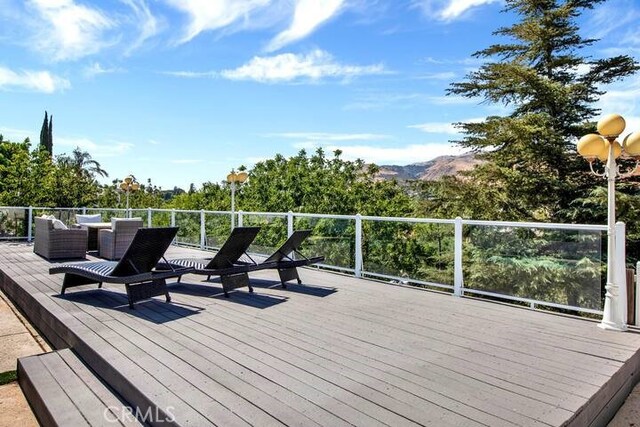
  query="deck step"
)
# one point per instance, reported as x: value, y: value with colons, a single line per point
x: 63, y: 391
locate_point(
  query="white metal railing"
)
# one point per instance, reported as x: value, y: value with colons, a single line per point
x: 353, y: 226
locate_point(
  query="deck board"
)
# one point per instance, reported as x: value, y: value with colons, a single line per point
x: 334, y: 351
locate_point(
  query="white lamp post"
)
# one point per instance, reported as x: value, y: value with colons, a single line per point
x: 235, y: 178
x: 128, y: 185
x: 603, y: 146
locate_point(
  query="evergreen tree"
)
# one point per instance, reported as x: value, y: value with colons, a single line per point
x: 50, y: 136
x: 539, y: 75
x: 46, y: 133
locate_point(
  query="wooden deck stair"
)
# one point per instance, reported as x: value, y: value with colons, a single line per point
x: 63, y: 391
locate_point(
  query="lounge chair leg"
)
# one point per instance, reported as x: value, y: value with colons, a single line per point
x: 250, y: 289
x: 226, y: 294
x: 179, y: 278
x: 100, y: 285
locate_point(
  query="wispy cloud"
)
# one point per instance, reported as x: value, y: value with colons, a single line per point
x: 67, y: 30
x: 213, y: 15
x: 613, y: 17
x: 308, y: 15
x: 16, y: 135
x: 443, y: 127
x: 376, y: 100
x: 109, y: 149
x: 95, y: 69
x: 394, y: 155
x: 623, y: 98
x: 449, y: 10
x: 38, y: 81
x: 288, y: 67
x: 326, y: 136
x: 445, y: 75
x: 192, y: 74
x: 146, y: 22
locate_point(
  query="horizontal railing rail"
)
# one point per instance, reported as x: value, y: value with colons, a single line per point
x: 446, y: 254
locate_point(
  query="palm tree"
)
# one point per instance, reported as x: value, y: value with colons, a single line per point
x: 82, y: 162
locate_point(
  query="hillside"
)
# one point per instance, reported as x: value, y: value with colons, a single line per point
x: 431, y: 170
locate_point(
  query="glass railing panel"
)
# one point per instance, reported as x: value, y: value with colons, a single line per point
x: 14, y: 222
x: 160, y: 218
x: 333, y: 238
x: 273, y: 232
x: 418, y: 252
x: 551, y: 265
x: 217, y: 229
x: 188, y: 223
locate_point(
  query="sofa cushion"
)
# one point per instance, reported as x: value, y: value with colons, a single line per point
x: 59, y: 225
x: 88, y: 219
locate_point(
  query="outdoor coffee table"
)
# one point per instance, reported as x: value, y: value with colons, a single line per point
x: 93, y: 228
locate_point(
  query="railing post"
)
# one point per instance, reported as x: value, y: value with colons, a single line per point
x: 84, y: 210
x: 30, y: 219
x: 149, y: 217
x: 621, y: 271
x: 458, y: 280
x: 173, y: 217
x: 240, y: 219
x: 358, y: 254
x: 289, y: 223
x: 203, y: 231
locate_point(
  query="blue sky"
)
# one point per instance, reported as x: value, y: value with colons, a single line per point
x: 181, y: 91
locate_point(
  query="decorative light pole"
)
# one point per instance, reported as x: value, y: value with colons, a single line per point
x: 235, y: 178
x: 128, y: 185
x: 603, y: 146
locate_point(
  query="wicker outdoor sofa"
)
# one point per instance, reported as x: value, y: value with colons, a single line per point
x: 54, y: 243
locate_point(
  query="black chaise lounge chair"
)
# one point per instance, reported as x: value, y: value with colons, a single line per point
x: 226, y: 263
x: 287, y: 266
x: 136, y: 268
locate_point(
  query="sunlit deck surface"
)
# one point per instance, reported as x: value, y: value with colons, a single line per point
x: 334, y: 351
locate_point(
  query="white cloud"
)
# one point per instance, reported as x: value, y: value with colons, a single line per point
x: 95, y: 69
x: 207, y: 15
x: 69, y: 30
x: 449, y: 10
x: 623, y: 98
x: 456, y: 8
x: 379, y: 100
x: 325, y: 136
x: 397, y: 155
x: 192, y: 74
x: 445, y: 75
x: 16, y: 135
x: 110, y: 149
x: 443, y: 127
x: 452, y: 100
x: 146, y: 22
x: 39, y: 81
x: 308, y: 15
x: 288, y: 67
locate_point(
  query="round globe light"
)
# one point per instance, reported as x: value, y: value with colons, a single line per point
x: 617, y: 151
x: 242, y: 176
x: 591, y: 146
x: 128, y: 179
x: 611, y: 125
x: 135, y: 186
x: 124, y: 186
x: 631, y: 144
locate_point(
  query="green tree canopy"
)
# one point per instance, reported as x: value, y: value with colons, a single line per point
x: 532, y: 170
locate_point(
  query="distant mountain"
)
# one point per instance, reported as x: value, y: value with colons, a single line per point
x: 431, y: 170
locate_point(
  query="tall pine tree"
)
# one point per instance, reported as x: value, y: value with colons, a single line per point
x: 550, y: 90
x: 46, y: 133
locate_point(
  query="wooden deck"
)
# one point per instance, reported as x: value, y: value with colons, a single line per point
x: 335, y: 351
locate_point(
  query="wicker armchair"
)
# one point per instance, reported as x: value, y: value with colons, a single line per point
x: 114, y: 242
x: 52, y: 243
